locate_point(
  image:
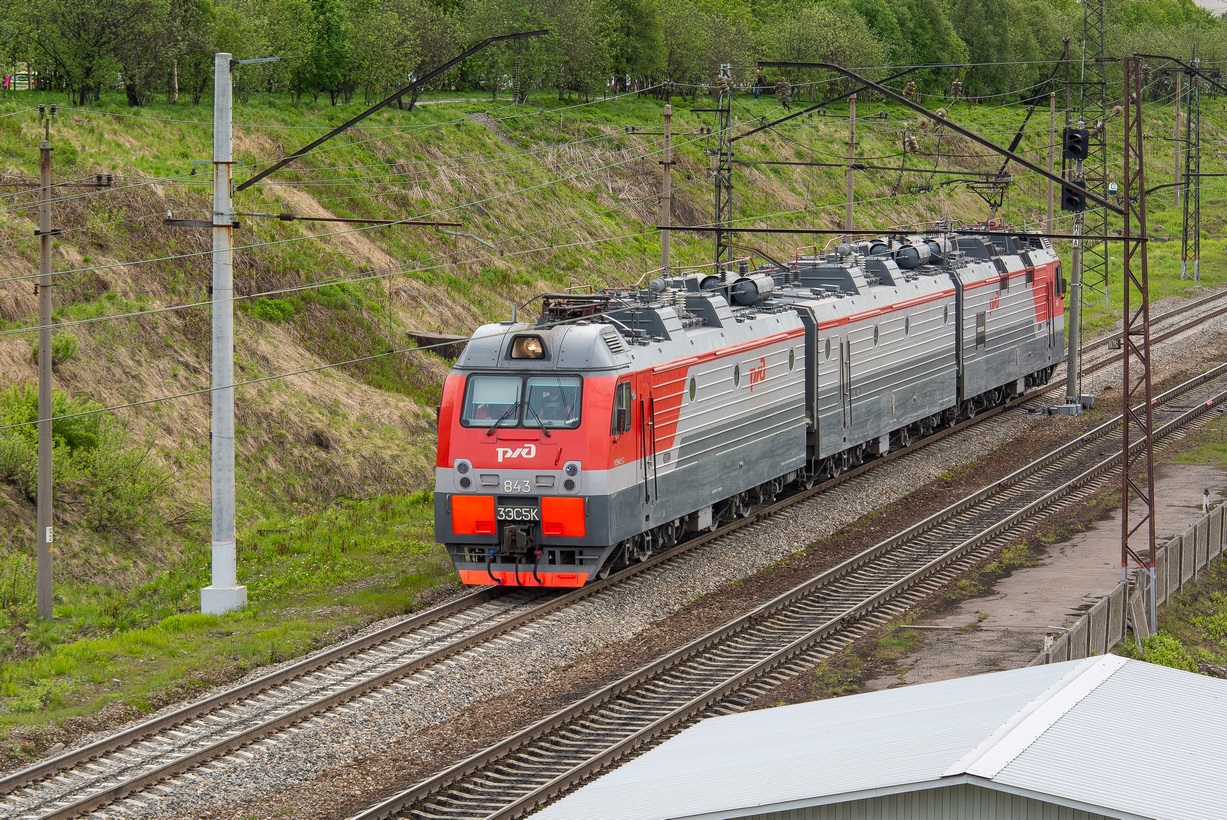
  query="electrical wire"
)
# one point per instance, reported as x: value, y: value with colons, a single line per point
x: 434, y: 213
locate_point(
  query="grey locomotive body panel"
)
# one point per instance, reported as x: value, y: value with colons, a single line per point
x: 880, y: 359
x: 1002, y: 338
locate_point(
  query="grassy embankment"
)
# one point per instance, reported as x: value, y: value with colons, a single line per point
x: 334, y: 530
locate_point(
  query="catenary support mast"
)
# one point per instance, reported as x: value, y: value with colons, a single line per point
x: 44, y: 537
x: 1137, y: 467
x: 224, y: 594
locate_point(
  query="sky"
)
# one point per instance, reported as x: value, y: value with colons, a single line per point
x: 1215, y: 6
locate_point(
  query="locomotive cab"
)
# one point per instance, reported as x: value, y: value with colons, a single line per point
x: 519, y: 453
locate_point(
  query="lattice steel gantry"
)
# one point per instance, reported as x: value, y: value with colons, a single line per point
x: 1137, y: 439
x: 1093, y: 172
x: 1190, y: 234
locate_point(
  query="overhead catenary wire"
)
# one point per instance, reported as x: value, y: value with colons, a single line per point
x: 294, y: 239
x: 273, y: 242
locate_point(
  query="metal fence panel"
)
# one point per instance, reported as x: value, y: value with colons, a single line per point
x: 1060, y: 649
x: 1098, y: 620
x: 1201, y: 550
x: 1116, y: 615
x: 1201, y: 532
x: 1137, y: 614
x: 1078, y: 647
x: 1167, y: 573
x: 1216, y: 531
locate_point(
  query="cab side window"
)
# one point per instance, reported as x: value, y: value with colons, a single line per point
x: 621, y: 409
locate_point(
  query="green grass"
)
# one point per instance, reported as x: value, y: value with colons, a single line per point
x: 308, y: 577
x: 1211, y: 447
x: 318, y: 562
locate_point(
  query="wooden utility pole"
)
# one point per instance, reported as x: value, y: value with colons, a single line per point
x: 666, y: 191
x: 851, y: 159
x: 1178, y: 152
x: 45, y: 534
x: 1052, y: 155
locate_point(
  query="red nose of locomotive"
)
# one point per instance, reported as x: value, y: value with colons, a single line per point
x: 512, y: 495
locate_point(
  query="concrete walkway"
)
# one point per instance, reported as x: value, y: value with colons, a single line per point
x: 1005, y: 629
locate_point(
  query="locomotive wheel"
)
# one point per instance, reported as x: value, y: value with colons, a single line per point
x: 643, y: 547
x: 905, y: 438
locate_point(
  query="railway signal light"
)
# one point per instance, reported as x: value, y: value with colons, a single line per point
x: 1072, y: 199
x: 1075, y: 143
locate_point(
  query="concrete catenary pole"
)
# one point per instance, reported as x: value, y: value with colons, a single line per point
x: 666, y: 190
x: 224, y: 594
x: 45, y: 535
x: 851, y: 159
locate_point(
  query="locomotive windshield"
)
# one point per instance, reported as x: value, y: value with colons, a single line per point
x: 552, y: 401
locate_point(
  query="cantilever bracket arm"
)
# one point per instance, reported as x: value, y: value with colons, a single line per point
x: 816, y: 106
x: 425, y: 78
x: 971, y: 135
x: 1187, y: 68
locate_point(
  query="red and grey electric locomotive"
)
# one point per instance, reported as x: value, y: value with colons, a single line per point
x: 621, y: 420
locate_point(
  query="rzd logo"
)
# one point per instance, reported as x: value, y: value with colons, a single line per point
x: 527, y: 451
x: 758, y: 374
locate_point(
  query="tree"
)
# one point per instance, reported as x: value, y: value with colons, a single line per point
x: 822, y: 34
x: 147, y: 55
x: 930, y: 38
x: 687, y: 42
x: 192, y: 26
x: 438, y: 34
x: 635, y: 37
x: 385, y: 47
x: 81, y: 39
x: 330, y: 48
x: 978, y: 24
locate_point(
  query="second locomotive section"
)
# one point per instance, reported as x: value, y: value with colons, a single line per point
x: 622, y: 420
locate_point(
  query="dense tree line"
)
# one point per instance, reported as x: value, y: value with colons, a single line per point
x: 343, y: 48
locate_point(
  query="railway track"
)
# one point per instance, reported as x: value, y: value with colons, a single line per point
x: 722, y: 671
x: 85, y: 779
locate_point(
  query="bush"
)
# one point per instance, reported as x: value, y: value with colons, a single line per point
x: 17, y: 584
x: 63, y: 348
x: 272, y: 310
x: 1165, y: 649
x: 92, y: 467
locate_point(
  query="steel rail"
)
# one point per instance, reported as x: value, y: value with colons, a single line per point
x: 316, y: 662
x: 852, y: 615
x: 310, y: 664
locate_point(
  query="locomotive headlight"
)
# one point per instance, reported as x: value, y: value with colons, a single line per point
x: 462, y: 467
x: 571, y: 483
x: 527, y: 347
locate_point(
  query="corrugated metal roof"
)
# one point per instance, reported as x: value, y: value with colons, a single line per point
x: 1078, y: 731
x: 1149, y: 740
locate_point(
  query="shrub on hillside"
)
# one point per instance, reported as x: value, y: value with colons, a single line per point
x: 63, y: 349
x: 95, y: 473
